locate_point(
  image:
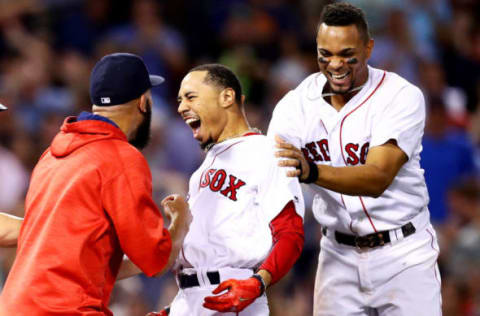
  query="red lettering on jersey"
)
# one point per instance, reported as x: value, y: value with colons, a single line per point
x: 232, y: 188
x: 351, y: 150
x: 206, y: 177
x: 364, y: 152
x: 218, y: 180
x: 317, y: 151
x: 307, y: 155
x: 313, y: 150
x: 323, y: 145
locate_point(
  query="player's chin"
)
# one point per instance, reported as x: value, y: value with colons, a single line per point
x: 340, y: 88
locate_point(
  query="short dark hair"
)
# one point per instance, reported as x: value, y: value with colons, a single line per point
x: 223, y: 77
x: 343, y: 14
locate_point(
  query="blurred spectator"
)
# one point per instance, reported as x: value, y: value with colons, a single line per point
x: 463, y: 244
x: 446, y: 157
x: 434, y: 84
x: 394, y: 48
x: 160, y: 45
x: 13, y: 180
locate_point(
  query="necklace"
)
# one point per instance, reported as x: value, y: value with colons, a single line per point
x: 250, y: 130
x: 329, y: 94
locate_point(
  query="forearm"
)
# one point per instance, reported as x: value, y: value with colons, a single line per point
x: 9, y: 229
x: 129, y: 269
x: 366, y: 180
x: 283, y: 256
x: 177, y: 234
x: 288, y: 238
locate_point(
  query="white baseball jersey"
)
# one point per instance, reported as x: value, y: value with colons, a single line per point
x: 386, y: 108
x: 234, y: 195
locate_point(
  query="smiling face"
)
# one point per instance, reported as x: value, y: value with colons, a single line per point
x: 199, y: 106
x: 342, y: 56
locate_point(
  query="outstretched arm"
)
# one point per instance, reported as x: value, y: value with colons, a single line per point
x: 371, y: 179
x: 9, y: 229
x: 177, y: 211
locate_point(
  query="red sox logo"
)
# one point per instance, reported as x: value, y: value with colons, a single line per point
x: 318, y: 151
x: 356, y: 155
x: 215, y: 180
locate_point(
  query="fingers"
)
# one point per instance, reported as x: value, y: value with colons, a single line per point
x: 220, y: 307
x: 289, y: 153
x: 289, y: 163
x: 280, y: 143
x: 293, y: 173
x: 225, y: 285
x: 172, y: 198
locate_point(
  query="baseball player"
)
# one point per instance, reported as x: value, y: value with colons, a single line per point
x: 354, y: 132
x: 90, y: 202
x: 247, y: 228
x: 9, y: 224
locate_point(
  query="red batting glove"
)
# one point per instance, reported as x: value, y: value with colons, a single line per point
x: 240, y: 294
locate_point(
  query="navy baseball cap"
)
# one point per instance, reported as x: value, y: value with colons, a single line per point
x: 3, y: 107
x: 119, y: 78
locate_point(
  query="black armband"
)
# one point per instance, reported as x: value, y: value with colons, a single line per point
x: 262, y: 283
x: 312, y: 174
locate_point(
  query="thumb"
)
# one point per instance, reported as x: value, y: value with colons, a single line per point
x: 222, y: 287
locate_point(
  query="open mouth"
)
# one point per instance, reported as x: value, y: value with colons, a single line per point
x: 339, y: 79
x: 194, y: 124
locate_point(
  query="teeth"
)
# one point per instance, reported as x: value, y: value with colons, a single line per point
x: 191, y: 120
x: 339, y: 76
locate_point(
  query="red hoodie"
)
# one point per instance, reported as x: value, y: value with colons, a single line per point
x: 89, y: 202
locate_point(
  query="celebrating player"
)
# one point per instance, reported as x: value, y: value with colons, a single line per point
x: 9, y: 224
x: 247, y: 228
x: 355, y: 133
x: 90, y: 201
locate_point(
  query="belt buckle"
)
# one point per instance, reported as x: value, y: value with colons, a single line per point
x: 369, y: 241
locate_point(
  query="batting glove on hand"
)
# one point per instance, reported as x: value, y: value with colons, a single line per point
x: 163, y: 312
x: 240, y: 294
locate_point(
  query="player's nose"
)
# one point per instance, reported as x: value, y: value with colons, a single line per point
x: 336, y: 63
x: 182, y: 107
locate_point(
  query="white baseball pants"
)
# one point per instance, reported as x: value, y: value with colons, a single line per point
x: 397, y: 279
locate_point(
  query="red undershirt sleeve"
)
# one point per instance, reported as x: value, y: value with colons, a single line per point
x: 288, y: 237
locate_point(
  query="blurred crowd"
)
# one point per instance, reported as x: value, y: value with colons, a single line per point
x: 48, y: 47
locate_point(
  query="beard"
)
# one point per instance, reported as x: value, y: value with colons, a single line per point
x: 142, y: 135
x: 207, y: 144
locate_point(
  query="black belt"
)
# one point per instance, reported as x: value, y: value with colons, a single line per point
x: 370, y: 240
x: 191, y: 280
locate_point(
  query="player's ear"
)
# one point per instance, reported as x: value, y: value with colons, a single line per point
x: 227, y: 97
x: 370, y: 45
x: 143, y: 102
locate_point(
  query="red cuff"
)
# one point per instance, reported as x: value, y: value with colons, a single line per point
x: 288, y: 238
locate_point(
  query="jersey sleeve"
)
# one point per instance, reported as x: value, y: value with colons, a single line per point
x: 276, y: 189
x: 138, y: 223
x: 288, y: 238
x: 287, y: 120
x: 402, y: 120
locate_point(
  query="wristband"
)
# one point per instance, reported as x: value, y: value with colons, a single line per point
x: 262, y: 283
x: 312, y: 174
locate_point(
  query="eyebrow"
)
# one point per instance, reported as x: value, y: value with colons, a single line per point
x: 186, y: 94
x: 343, y: 51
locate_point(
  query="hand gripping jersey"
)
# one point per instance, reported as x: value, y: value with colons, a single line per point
x: 387, y: 107
x: 233, y: 196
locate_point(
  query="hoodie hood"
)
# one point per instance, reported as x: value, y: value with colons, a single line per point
x: 75, y: 134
